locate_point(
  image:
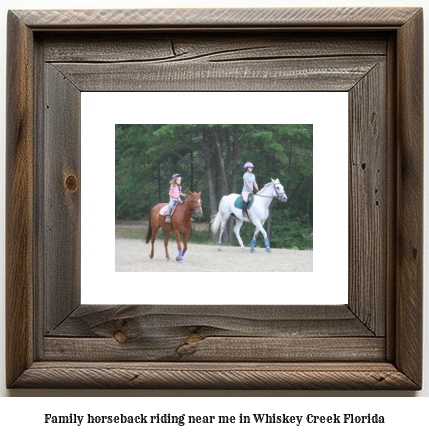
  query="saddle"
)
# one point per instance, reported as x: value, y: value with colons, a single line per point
x: 164, y: 209
x: 239, y: 202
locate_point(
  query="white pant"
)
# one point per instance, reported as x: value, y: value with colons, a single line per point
x: 245, y: 195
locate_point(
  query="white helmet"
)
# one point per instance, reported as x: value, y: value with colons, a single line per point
x: 248, y: 165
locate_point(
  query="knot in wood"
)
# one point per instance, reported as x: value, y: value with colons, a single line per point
x: 71, y: 183
x: 120, y: 337
x: 193, y: 338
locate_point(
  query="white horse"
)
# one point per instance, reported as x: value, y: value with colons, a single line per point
x: 258, y: 213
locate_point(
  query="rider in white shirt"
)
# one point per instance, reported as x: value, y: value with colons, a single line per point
x: 249, y: 183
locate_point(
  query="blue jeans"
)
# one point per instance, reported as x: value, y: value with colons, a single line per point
x: 170, y: 206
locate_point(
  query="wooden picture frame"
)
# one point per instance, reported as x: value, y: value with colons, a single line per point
x: 373, y: 342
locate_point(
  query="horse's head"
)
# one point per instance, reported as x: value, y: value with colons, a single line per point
x: 279, y: 190
x: 196, y: 204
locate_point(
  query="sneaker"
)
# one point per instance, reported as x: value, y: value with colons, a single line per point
x: 167, y: 219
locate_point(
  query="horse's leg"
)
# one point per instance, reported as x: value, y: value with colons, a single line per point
x: 222, y: 229
x: 253, y: 242
x: 179, y: 246
x: 166, y: 238
x: 185, y: 243
x: 259, y: 226
x: 237, y: 227
x: 152, y: 241
x: 155, y: 228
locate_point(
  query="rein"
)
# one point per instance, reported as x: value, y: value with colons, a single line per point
x: 270, y: 196
x: 192, y: 211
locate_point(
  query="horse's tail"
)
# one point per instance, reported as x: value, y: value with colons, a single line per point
x: 149, y: 231
x: 215, y: 223
x: 217, y: 219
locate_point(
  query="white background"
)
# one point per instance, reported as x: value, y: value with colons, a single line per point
x: 327, y: 111
x: 406, y: 415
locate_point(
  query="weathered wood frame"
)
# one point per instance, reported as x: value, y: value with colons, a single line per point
x: 374, y: 342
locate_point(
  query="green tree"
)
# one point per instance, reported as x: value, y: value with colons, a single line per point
x: 210, y: 158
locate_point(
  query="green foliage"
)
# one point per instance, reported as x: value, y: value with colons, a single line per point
x: 147, y: 156
x: 291, y: 232
x: 288, y: 231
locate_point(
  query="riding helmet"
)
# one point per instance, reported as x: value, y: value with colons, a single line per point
x: 248, y: 165
x: 174, y: 176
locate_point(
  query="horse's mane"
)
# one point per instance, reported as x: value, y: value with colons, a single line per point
x: 267, y: 185
x: 191, y: 195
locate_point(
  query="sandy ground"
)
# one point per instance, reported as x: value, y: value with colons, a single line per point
x: 132, y: 255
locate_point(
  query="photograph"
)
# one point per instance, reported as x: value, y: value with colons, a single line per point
x: 217, y: 197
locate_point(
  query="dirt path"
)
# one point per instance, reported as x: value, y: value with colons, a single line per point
x: 132, y: 255
x: 143, y: 225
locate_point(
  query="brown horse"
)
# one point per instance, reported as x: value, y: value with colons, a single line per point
x: 181, y: 223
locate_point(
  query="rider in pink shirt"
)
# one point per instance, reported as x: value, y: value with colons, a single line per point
x: 175, y: 193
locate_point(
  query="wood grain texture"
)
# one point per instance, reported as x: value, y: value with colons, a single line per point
x: 368, y: 202
x: 330, y: 74
x: 19, y: 200
x: 170, y: 47
x: 193, y: 348
x: 289, y: 18
x: 214, y: 333
x: 391, y: 191
x: 350, y: 347
x: 110, y: 375
x: 61, y: 194
x: 409, y: 296
x: 99, y: 321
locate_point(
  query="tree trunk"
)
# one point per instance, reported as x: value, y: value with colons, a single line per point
x: 210, y: 173
x: 228, y: 143
x: 191, y: 178
x: 227, y: 236
x: 221, y: 161
x: 234, y: 162
x: 159, y: 184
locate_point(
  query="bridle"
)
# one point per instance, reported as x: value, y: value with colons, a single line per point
x: 272, y: 196
x: 195, y: 208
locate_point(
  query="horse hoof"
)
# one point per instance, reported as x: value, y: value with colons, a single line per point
x: 268, y: 250
x: 219, y: 249
x: 168, y: 259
